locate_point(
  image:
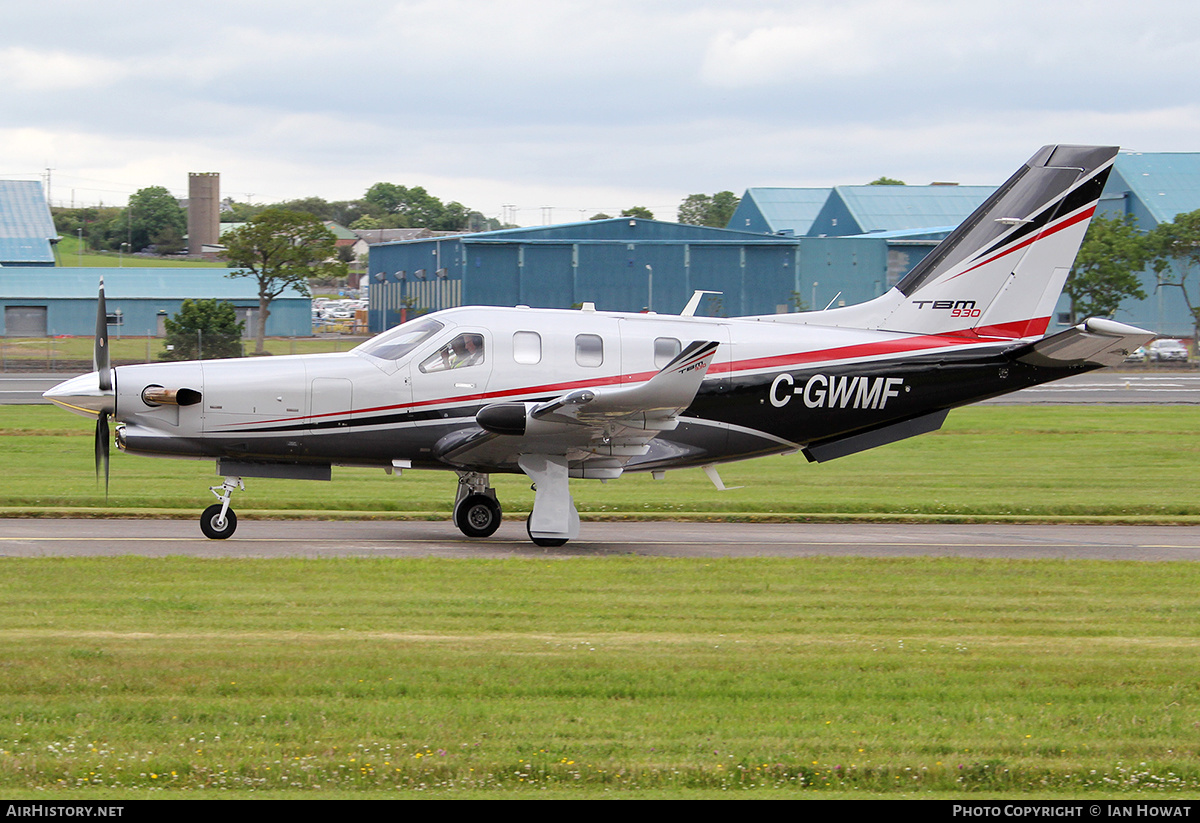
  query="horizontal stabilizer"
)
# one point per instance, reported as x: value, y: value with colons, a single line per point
x: 1095, y: 340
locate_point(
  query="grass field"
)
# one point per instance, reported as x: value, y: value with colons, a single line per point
x: 128, y: 677
x: 620, y: 676
x: 1025, y: 463
x: 56, y: 353
x: 68, y: 256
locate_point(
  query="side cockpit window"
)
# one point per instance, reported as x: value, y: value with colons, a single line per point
x: 462, y: 352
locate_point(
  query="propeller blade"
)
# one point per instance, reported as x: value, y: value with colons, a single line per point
x: 102, y: 449
x: 100, y: 359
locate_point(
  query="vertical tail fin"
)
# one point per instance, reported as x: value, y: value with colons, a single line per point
x: 1000, y: 273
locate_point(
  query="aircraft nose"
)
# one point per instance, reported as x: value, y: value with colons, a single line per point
x: 83, y: 396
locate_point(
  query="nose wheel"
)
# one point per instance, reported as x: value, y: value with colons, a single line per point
x: 215, y: 525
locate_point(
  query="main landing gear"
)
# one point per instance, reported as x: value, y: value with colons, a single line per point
x: 476, y: 510
x: 554, y: 519
x: 218, y: 521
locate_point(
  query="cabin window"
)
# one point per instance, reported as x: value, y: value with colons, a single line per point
x: 462, y: 352
x: 589, y: 350
x: 665, y: 350
x: 527, y: 348
x: 397, y: 342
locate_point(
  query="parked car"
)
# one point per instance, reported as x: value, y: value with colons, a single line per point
x: 1163, y: 350
x: 1138, y: 355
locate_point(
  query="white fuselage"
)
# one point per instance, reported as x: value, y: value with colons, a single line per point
x: 376, y: 405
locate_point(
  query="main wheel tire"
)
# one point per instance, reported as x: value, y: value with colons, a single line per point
x: 211, y: 525
x: 544, y: 542
x: 477, y: 515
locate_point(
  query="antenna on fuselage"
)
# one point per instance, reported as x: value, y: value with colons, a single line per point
x: 690, y: 309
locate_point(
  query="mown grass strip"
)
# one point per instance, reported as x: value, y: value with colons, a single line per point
x: 1021, y: 464
x: 594, y: 675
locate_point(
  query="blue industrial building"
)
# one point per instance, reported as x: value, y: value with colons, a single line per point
x: 845, y: 211
x: 620, y: 264
x: 1153, y: 187
x: 27, y: 232
x: 41, y: 302
x: 631, y: 264
x: 783, y: 249
x: 778, y: 210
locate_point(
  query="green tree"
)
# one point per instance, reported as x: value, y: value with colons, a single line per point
x: 1107, y: 268
x: 281, y: 250
x: 235, y: 212
x: 713, y: 210
x: 402, y: 207
x: 478, y: 222
x: 1174, y: 252
x: 343, y: 212
x: 638, y: 211
x: 154, y: 217
x: 600, y: 216
x: 203, y: 329
x: 886, y: 181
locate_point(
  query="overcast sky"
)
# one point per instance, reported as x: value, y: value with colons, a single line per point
x: 563, y: 109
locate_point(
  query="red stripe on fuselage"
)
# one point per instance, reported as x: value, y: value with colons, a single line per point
x: 915, y: 343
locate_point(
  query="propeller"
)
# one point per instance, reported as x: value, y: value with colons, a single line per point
x: 103, y: 367
x: 92, y: 395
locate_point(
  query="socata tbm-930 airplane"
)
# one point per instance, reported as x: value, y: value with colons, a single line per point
x: 557, y: 394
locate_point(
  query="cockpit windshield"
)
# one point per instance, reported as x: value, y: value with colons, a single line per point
x: 397, y: 342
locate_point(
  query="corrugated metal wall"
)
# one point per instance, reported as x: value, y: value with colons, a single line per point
x: 604, y: 262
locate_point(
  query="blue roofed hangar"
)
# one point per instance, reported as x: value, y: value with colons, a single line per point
x: 27, y: 233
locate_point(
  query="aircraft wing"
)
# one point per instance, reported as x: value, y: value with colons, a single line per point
x: 650, y: 405
x: 603, y: 426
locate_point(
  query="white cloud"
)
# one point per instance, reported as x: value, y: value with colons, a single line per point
x: 779, y: 55
x: 31, y: 70
x: 584, y: 106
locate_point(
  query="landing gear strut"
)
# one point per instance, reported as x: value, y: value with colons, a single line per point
x: 476, y: 511
x: 218, y: 521
x: 554, y: 519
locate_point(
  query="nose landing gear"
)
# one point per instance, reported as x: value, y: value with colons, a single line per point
x: 218, y: 521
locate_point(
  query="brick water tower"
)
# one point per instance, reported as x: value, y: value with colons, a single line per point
x: 204, y: 210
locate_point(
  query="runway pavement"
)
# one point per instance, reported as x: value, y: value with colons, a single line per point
x: 160, y: 538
